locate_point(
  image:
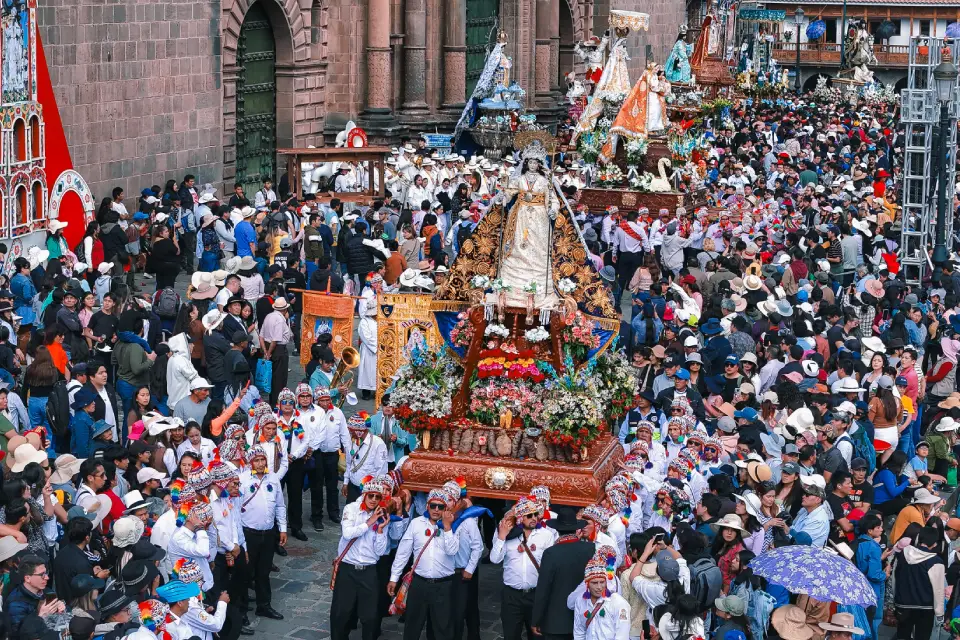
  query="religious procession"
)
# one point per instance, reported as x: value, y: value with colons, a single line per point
x: 680, y: 365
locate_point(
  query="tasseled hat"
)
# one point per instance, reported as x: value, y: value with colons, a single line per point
x: 374, y: 484
x: 266, y: 419
x: 596, y: 569
x: 258, y: 410
x: 321, y: 393
x: 233, y: 430
x: 187, y: 571
x: 303, y: 389
x: 286, y: 394
x: 256, y: 451
x: 153, y: 616
x: 608, y: 555
x: 541, y: 492
x: 528, y: 505
x: 359, y: 420
x: 618, y: 500
x: 438, y: 494
x: 221, y: 472
x: 598, y: 513
x: 232, y: 451
x: 181, y: 492
x: 457, y: 487
x: 201, y: 510
x: 199, y: 477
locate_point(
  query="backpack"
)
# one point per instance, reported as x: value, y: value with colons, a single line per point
x: 58, y: 414
x: 706, y: 581
x: 168, y: 303
x: 863, y: 448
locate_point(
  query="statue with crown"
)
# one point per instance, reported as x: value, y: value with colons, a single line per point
x: 528, y: 386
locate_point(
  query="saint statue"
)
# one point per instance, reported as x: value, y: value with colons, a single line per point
x: 525, y: 257
x: 677, y: 67
x: 615, y: 81
x: 657, y: 101
x: 643, y: 113
x: 593, y: 52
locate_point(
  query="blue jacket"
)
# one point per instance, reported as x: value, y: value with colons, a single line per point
x: 886, y: 486
x: 868, y: 561
x: 81, y: 426
x: 405, y: 443
x: 20, y: 604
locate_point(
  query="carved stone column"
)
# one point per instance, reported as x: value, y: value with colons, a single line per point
x: 542, y: 82
x: 415, y: 60
x: 455, y: 56
x: 555, y: 48
x: 378, y: 118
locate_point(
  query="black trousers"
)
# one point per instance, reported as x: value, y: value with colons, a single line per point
x: 233, y: 581
x: 281, y: 371
x: 627, y: 264
x: 189, y: 239
x: 431, y: 599
x: 294, y: 483
x: 261, y: 546
x: 466, y: 605
x: 325, y: 475
x: 516, y: 613
x: 355, y: 596
x: 353, y: 492
x: 892, y: 507
x: 914, y: 624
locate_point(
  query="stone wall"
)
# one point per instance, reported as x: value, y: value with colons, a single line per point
x: 138, y: 86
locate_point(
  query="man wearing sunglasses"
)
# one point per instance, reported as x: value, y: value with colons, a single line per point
x: 362, y: 542
x: 521, y: 557
x: 430, y: 592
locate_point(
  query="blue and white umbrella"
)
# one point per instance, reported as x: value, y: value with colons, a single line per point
x: 816, y: 573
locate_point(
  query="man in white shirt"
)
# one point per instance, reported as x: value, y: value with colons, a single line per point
x: 262, y: 513
x: 363, y: 541
x: 597, y: 615
x: 265, y: 196
x: 366, y: 456
x: 230, y: 566
x: 193, y: 542
x: 433, y: 544
x: 466, y: 591
x: 521, y: 563
x: 330, y: 435
x: 629, y: 240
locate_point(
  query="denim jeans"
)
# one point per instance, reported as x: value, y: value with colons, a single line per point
x: 126, y: 391
x: 37, y: 410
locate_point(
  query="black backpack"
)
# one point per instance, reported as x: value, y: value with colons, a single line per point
x: 168, y: 303
x: 58, y: 414
x: 706, y: 582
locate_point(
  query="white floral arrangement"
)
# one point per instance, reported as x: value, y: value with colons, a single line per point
x: 642, y: 182
x: 610, y: 175
x: 422, y: 396
x: 536, y: 335
x: 604, y: 124
x: 499, y: 285
x: 530, y: 287
x: 636, y: 149
x: 480, y: 282
x: 494, y: 329
x: 567, y: 286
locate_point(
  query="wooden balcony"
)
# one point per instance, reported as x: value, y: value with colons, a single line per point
x: 828, y: 54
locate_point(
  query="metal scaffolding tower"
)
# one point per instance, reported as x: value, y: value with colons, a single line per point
x: 920, y: 113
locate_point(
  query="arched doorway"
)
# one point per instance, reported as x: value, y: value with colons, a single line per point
x: 568, y: 39
x: 811, y: 83
x: 256, y: 100
x: 482, y: 25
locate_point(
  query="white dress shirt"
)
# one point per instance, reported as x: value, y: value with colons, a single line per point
x: 178, y: 628
x: 625, y: 243
x: 277, y: 462
x: 330, y: 429
x: 196, y: 546
x: 226, y: 517
x: 518, y: 570
x: 369, y: 458
x: 203, y: 624
x: 369, y: 545
x: 471, y: 546
x: 613, y: 625
x: 261, y: 500
x: 295, y: 448
x: 438, y: 559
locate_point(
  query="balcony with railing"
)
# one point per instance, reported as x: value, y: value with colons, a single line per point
x: 828, y: 54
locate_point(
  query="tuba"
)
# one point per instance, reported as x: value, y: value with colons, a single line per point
x: 349, y: 359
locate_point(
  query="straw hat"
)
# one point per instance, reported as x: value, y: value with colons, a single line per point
x: 729, y: 521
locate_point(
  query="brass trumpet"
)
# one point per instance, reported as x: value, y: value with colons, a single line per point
x: 349, y: 359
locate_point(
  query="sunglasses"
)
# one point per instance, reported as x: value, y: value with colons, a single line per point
x: 730, y: 364
x: 438, y: 507
x: 530, y: 515
x: 286, y: 402
x: 375, y: 496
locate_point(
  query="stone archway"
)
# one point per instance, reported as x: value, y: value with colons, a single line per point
x: 291, y: 38
x: 568, y: 41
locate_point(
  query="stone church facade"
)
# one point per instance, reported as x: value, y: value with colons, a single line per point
x: 153, y: 89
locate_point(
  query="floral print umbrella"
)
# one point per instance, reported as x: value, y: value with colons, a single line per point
x: 815, y: 572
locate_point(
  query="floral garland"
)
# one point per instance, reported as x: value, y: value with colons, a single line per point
x: 493, y: 398
x: 462, y: 333
x: 578, y: 337
x: 615, y: 382
x: 424, y: 391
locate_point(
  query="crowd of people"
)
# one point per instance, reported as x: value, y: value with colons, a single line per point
x: 793, y: 389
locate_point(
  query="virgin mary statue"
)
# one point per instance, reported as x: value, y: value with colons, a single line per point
x: 528, y: 242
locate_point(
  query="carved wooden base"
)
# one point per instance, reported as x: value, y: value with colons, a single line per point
x: 597, y: 200
x: 509, y: 478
